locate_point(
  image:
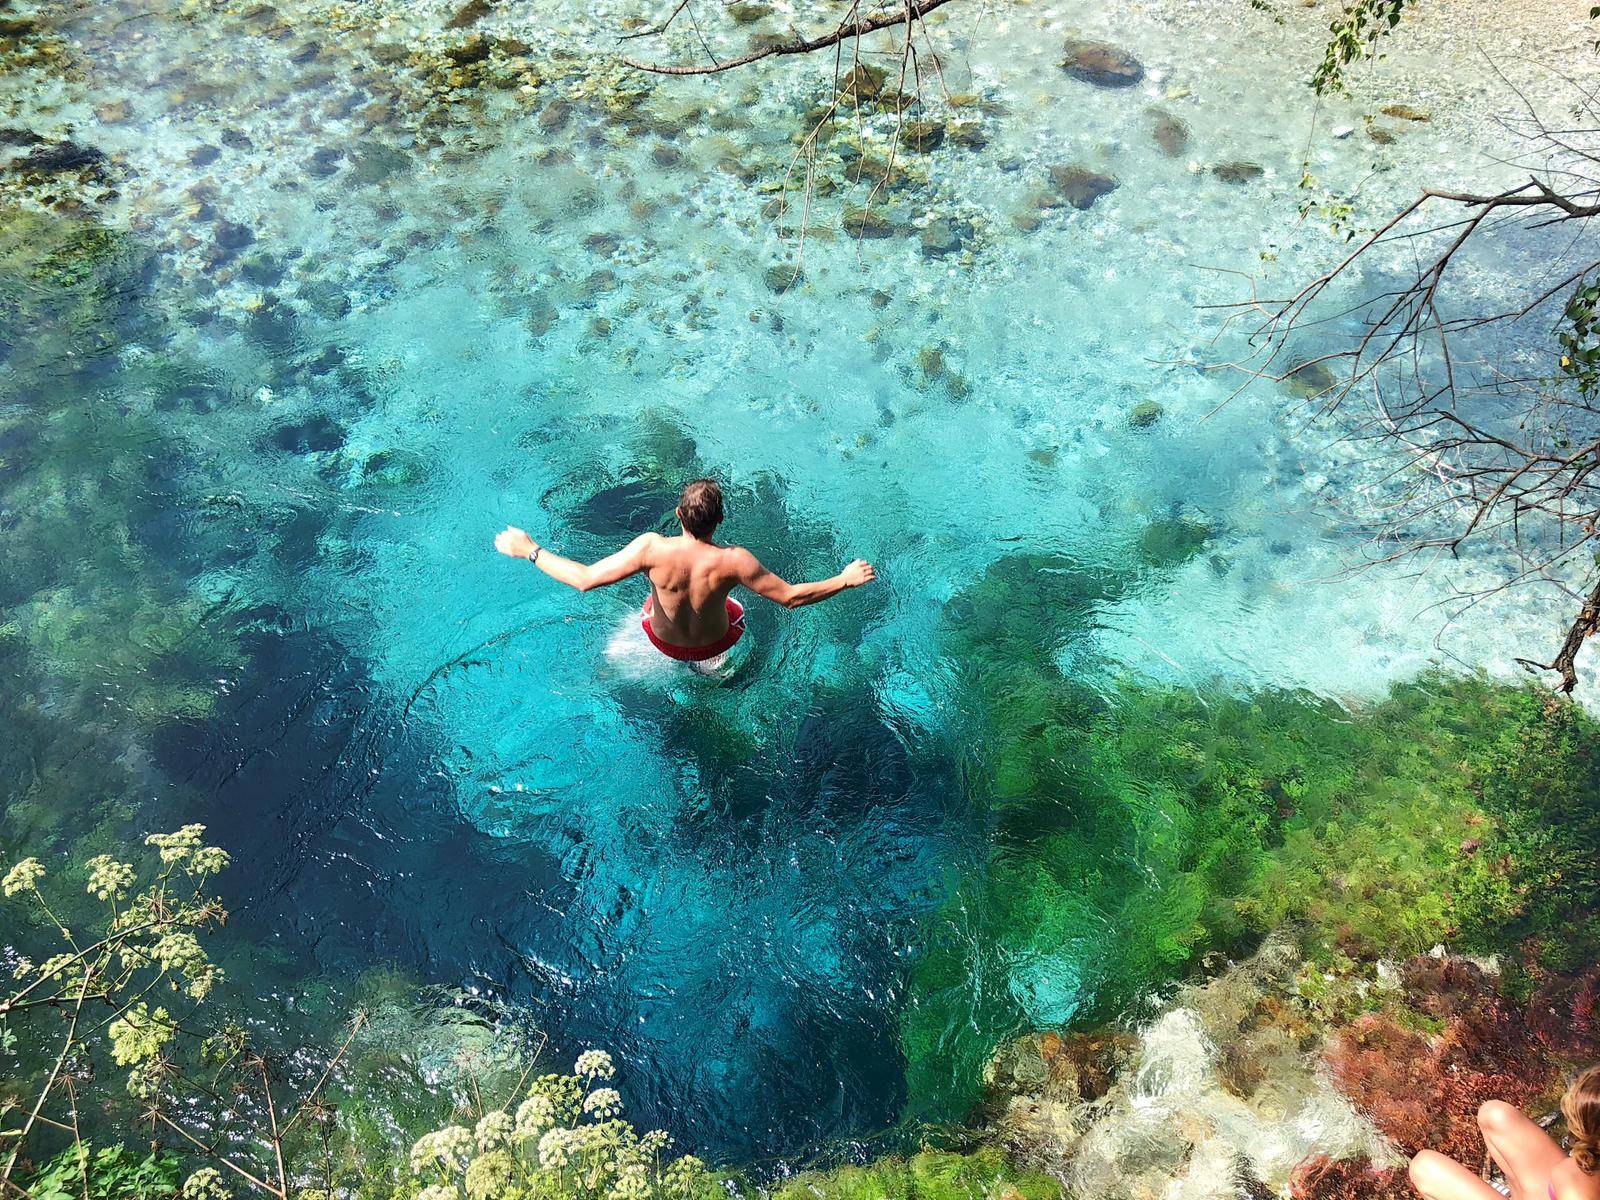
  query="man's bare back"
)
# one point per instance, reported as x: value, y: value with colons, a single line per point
x: 690, y: 575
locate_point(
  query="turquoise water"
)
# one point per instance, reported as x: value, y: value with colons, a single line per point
x: 374, y: 329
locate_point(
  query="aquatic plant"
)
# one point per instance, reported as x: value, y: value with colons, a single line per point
x: 1139, y: 829
x: 1452, y: 1039
x: 985, y: 1174
x: 1323, y: 1178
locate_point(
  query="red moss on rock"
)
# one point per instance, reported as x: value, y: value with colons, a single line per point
x: 1324, y: 1178
x: 1423, y: 1090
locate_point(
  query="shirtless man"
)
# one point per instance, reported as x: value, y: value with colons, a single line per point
x: 689, y: 615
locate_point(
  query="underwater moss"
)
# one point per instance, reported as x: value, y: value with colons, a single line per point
x: 930, y: 1175
x: 1135, y: 830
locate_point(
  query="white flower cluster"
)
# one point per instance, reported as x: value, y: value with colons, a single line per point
x: 535, y: 1115
x: 566, y: 1140
x: 108, y: 878
x: 556, y: 1148
x: 185, y: 845
x: 23, y: 876
x: 603, y: 1103
x: 175, y: 847
x: 205, y: 1184
x: 594, y: 1064
x: 494, y: 1130
x: 449, y: 1148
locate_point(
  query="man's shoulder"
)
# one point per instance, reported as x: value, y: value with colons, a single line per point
x: 739, y: 560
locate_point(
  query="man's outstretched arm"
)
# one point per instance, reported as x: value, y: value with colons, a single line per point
x: 796, y: 595
x: 630, y: 560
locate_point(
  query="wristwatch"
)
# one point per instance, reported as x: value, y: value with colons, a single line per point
x: 534, y: 557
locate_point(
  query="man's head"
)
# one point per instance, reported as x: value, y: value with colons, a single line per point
x: 700, y: 508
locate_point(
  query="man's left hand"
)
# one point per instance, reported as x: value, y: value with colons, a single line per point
x: 515, y: 542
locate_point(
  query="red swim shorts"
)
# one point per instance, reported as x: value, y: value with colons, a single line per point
x: 697, y: 653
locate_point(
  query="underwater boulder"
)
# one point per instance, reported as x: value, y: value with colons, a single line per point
x: 863, y: 82
x: 1173, y: 541
x: 944, y: 235
x: 1310, y: 380
x: 1145, y: 414
x: 325, y: 161
x: 1080, y: 186
x: 784, y: 276
x: 867, y: 222
x: 746, y: 12
x: 59, y: 157
x: 1170, y: 133
x: 315, y: 435
x: 394, y: 469
x: 1101, y: 64
x: 469, y: 13
x: 922, y: 136
x: 1238, y: 171
x: 630, y: 507
x: 555, y: 116
x: 231, y: 237
x: 376, y: 162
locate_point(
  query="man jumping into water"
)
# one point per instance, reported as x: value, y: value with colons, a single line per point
x: 688, y: 615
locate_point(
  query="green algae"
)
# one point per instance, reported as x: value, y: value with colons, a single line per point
x: 1136, y: 828
x: 931, y: 1175
x: 114, y: 634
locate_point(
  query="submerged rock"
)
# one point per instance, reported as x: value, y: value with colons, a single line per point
x: 1404, y: 112
x: 58, y: 157
x: 1145, y: 414
x: 783, y: 277
x: 325, y: 161
x: 474, y: 50
x: 1238, y: 171
x: 394, y: 469
x: 556, y: 114
x: 945, y: 235
x: 1080, y: 186
x: 747, y: 12
x: 376, y: 162
x: 1310, y: 380
x: 632, y: 506
x: 868, y: 223
x: 1101, y: 64
x: 922, y: 136
x: 470, y: 13
x: 1171, y: 133
x: 232, y: 237
x: 315, y: 435
x: 863, y: 82
x: 1173, y: 541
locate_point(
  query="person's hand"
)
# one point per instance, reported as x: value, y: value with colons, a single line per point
x: 515, y: 542
x: 858, y: 573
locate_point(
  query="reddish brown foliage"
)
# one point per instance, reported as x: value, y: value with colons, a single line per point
x: 1425, y: 1091
x: 1324, y: 1178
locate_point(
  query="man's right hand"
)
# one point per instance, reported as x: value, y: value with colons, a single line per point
x: 514, y: 543
x: 858, y: 573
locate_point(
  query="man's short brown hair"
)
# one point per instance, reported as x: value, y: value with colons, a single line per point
x: 700, y: 507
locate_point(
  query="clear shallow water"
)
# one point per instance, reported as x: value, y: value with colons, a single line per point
x: 429, y: 755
